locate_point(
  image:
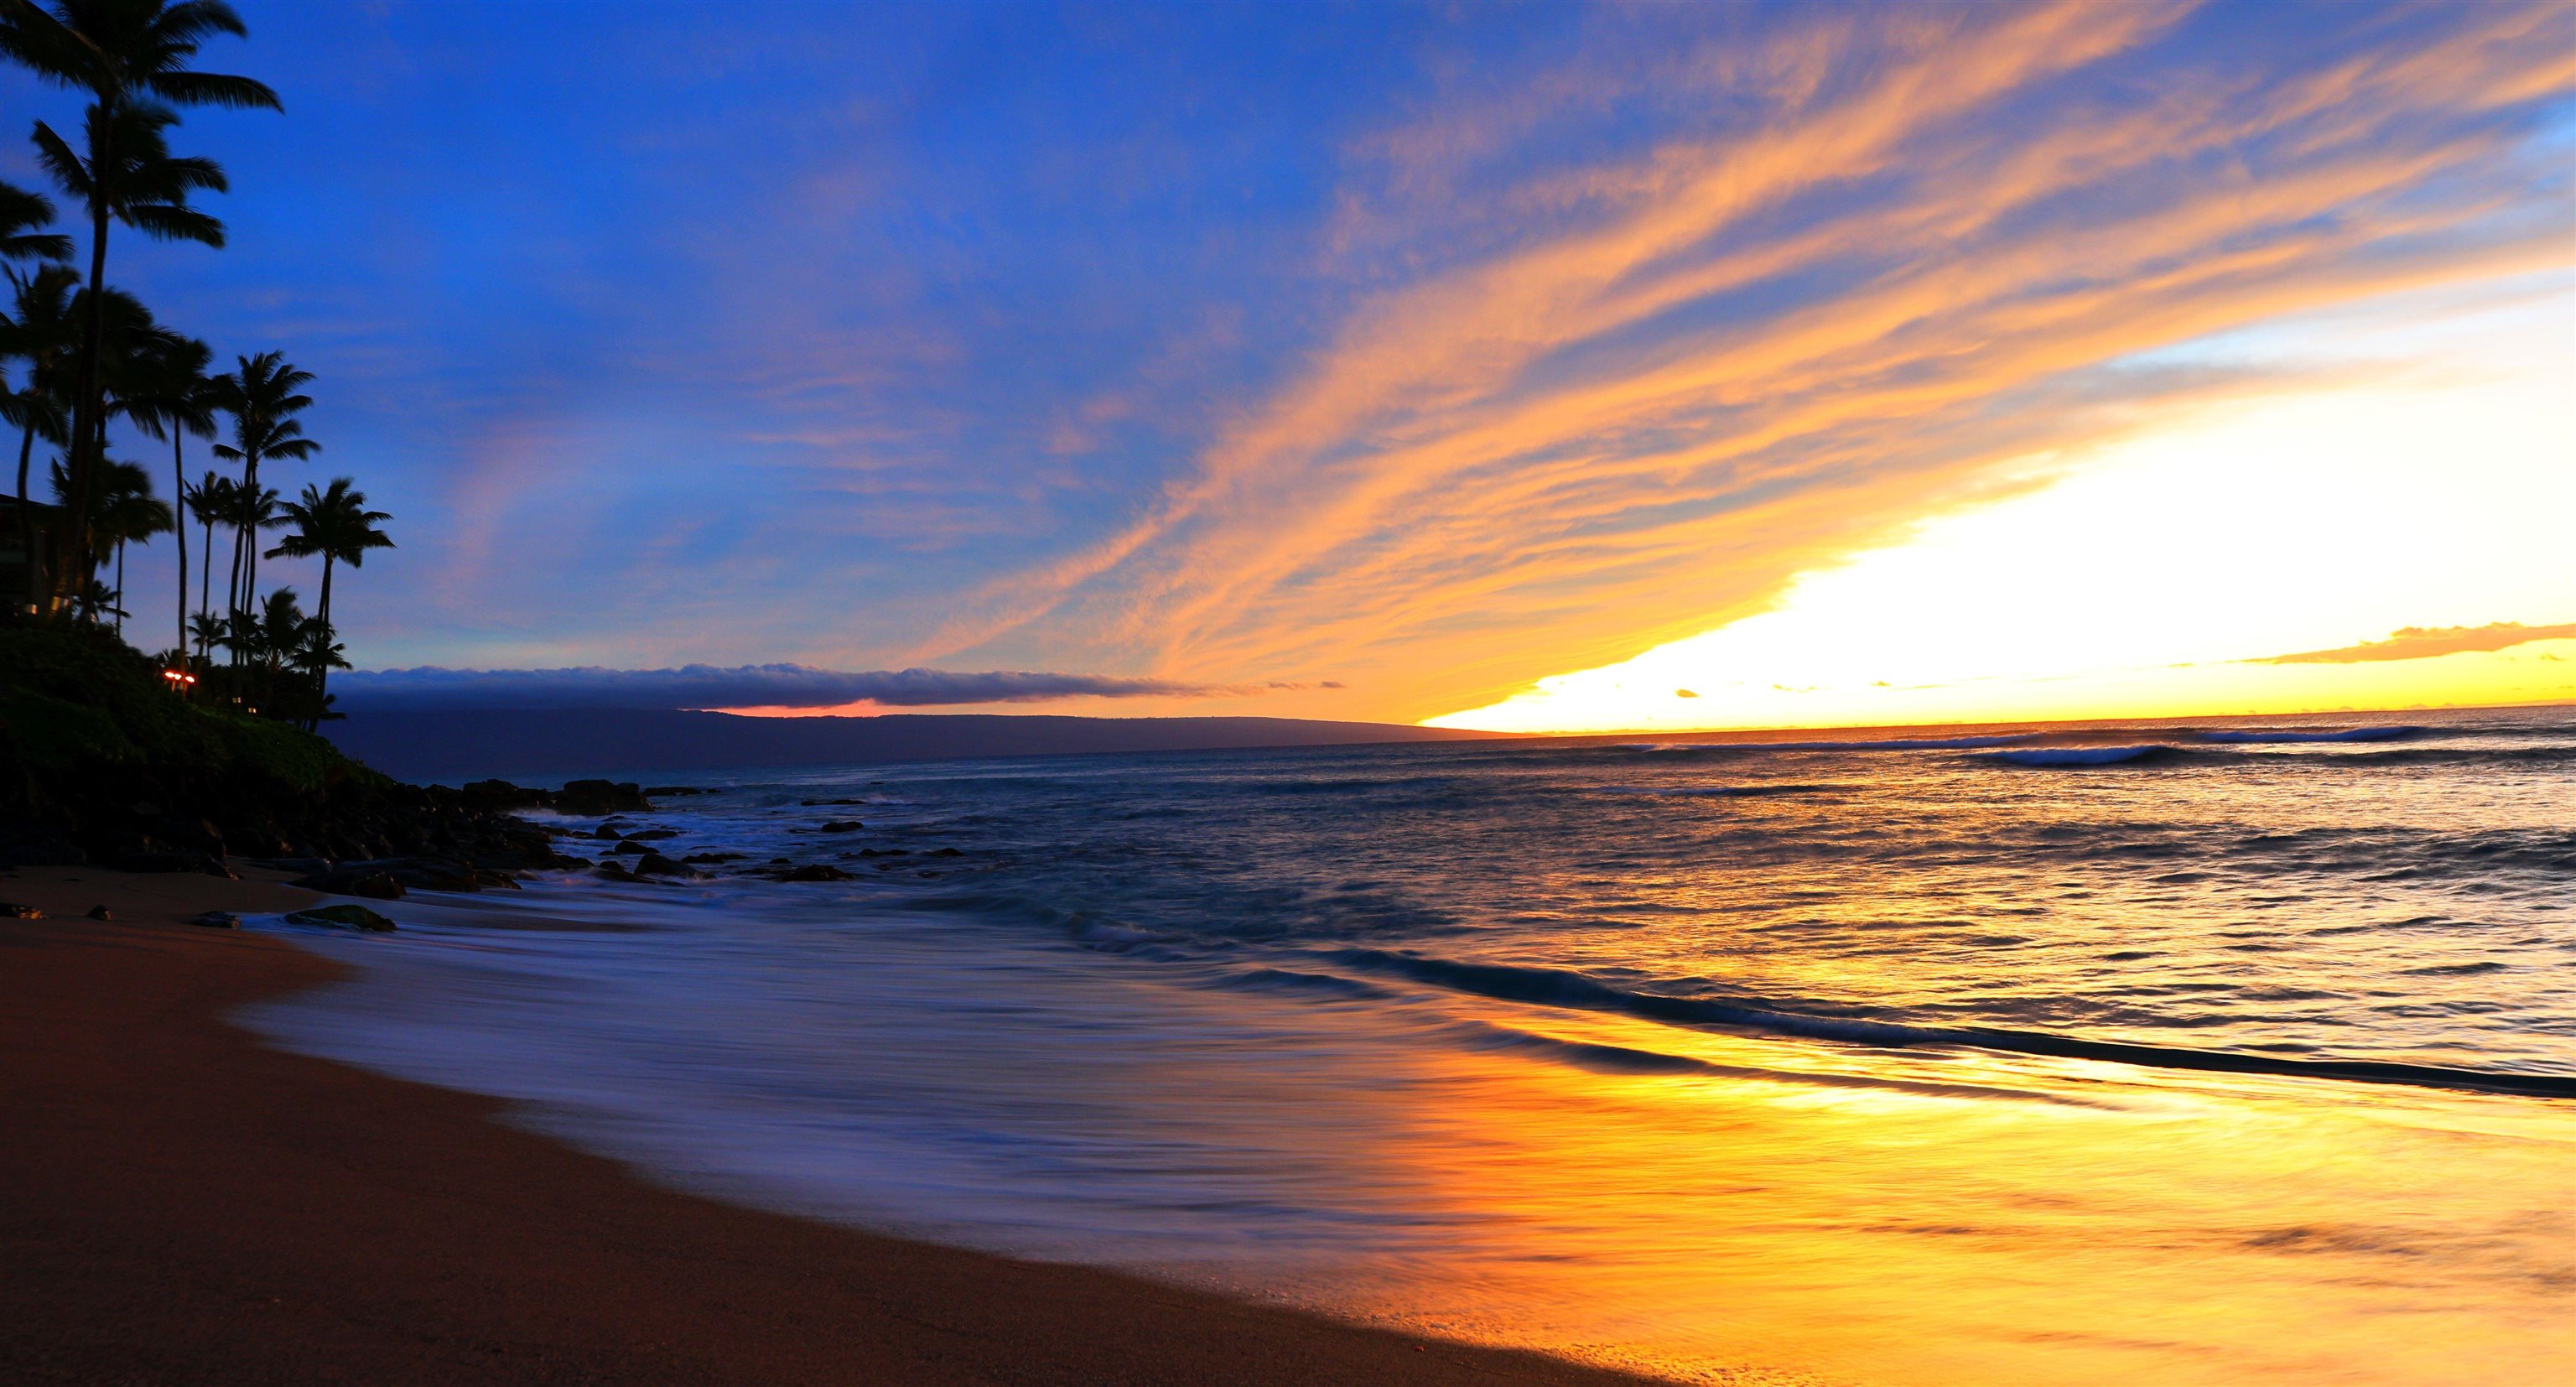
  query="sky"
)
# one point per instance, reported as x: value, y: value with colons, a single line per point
x: 1530, y: 367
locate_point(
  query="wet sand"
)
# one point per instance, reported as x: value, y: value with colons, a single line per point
x: 180, y: 1204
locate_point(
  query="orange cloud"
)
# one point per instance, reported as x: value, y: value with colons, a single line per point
x: 1733, y: 358
x: 2427, y: 642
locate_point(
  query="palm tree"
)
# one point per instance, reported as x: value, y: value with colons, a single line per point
x: 127, y: 175
x: 335, y: 524
x: 130, y: 56
x: 206, y: 629
x: 212, y: 499
x: 277, y: 629
x: 23, y: 217
x: 261, y: 395
x: 254, y: 509
x: 172, y: 398
x: 40, y: 330
x: 122, y: 509
x: 318, y: 652
x: 130, y: 514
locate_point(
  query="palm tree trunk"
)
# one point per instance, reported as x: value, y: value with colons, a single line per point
x: 250, y: 556
x: 27, y: 524
x: 91, y: 403
x: 322, y: 671
x: 179, y: 527
x: 205, y: 570
x: 233, y: 595
x: 120, y: 587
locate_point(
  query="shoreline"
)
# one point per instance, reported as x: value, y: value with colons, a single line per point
x: 179, y: 1203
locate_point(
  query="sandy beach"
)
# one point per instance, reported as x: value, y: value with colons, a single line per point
x: 181, y: 1204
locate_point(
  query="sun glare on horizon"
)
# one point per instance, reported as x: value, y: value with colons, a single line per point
x: 2169, y: 572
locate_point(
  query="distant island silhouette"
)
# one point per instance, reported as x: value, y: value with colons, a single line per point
x: 466, y: 744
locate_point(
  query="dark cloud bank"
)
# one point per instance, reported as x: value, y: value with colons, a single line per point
x: 745, y: 686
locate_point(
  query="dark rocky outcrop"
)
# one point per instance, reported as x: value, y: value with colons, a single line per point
x: 343, y: 916
x: 504, y: 797
x: 655, y: 864
x: 585, y: 798
x: 817, y: 871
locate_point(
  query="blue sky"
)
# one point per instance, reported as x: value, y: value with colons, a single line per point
x: 1422, y: 351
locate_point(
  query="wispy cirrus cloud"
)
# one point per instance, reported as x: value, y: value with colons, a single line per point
x: 745, y: 686
x: 2427, y: 642
x: 1914, y: 249
x: 1416, y: 350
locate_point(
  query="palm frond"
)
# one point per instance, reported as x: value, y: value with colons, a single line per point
x: 163, y: 221
x: 215, y: 89
x: 62, y: 164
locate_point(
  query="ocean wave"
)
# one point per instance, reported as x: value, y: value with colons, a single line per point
x: 2456, y: 756
x: 2298, y: 734
x: 1628, y: 750
x: 1899, y: 743
x: 1552, y: 987
x: 1721, y: 791
x: 2045, y: 756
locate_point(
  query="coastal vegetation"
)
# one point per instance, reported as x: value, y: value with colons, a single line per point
x: 100, y: 764
x: 85, y: 364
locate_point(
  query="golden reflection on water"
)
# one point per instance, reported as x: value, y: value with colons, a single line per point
x: 2147, y: 1227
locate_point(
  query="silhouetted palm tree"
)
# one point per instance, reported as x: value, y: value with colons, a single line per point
x: 336, y: 525
x: 130, y: 56
x: 131, y: 515
x: 39, y: 330
x: 123, y: 508
x: 23, y: 217
x: 172, y: 398
x: 211, y: 498
x: 206, y: 629
x: 317, y: 653
x: 276, y: 630
x: 253, y: 509
x: 262, y: 395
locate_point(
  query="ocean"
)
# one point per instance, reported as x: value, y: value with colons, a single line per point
x: 2216, y: 1052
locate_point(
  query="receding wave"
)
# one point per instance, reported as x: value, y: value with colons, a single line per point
x: 1551, y: 987
x: 1594, y: 1057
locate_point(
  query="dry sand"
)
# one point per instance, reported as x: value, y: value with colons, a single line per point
x: 179, y: 1204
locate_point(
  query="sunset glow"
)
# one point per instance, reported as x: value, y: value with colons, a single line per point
x: 1438, y: 365
x: 2423, y: 484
